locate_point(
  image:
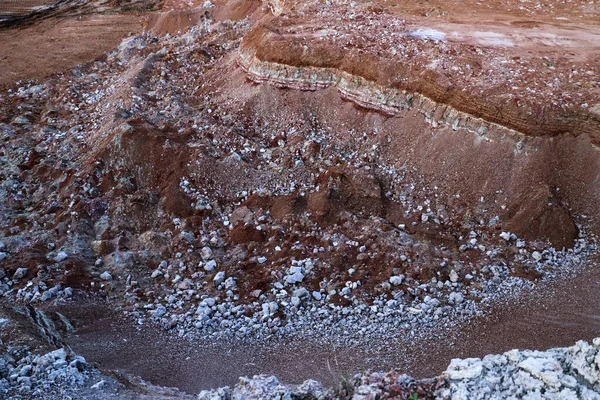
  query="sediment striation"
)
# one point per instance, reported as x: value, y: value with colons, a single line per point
x: 369, y: 94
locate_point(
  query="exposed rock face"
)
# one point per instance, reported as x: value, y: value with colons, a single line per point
x: 365, y: 93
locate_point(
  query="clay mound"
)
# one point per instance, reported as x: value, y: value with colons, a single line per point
x: 539, y: 215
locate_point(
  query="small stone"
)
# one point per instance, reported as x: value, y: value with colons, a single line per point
x: 20, y: 120
x: 187, y: 236
x: 301, y: 292
x: 537, y: 256
x: 210, y: 266
x: 464, y: 369
x: 219, y: 278
x: 98, y: 385
x: 458, y: 299
x: 157, y: 273
x: 297, y: 277
x: 106, y: 276
x: 206, y: 253
x: 317, y: 295
x: 209, y: 301
x: 262, y: 260
x: 269, y: 309
x: 453, y: 276
x: 204, y: 311
x: 505, y: 236
x: 183, y: 285
x: 61, y: 256
x: 20, y: 273
x: 296, y: 301
x: 230, y: 283
x: 396, y: 280
x: 159, y: 311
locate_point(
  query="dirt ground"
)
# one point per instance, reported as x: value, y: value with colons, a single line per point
x: 56, y: 45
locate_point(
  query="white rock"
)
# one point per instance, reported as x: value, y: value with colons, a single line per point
x: 546, y: 369
x: 468, y: 368
x: 210, y: 302
x: 295, y: 269
x: 269, y: 309
x: 98, y: 385
x: 210, y: 266
x: 537, y: 256
x: 297, y: 277
x: 156, y: 273
x: 505, y: 236
x: 203, y: 311
x: 453, y: 276
x: 396, y: 280
x: 219, y: 278
x: 230, y: 283
x: 206, y: 253
x: 20, y: 273
x: 106, y: 276
x: 159, y: 311
x: 458, y: 298
x: 61, y: 256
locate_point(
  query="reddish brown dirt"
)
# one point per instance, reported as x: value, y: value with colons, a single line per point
x: 57, y: 42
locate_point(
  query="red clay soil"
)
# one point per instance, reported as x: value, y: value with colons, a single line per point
x: 57, y: 39
x: 538, y: 76
x: 57, y: 44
